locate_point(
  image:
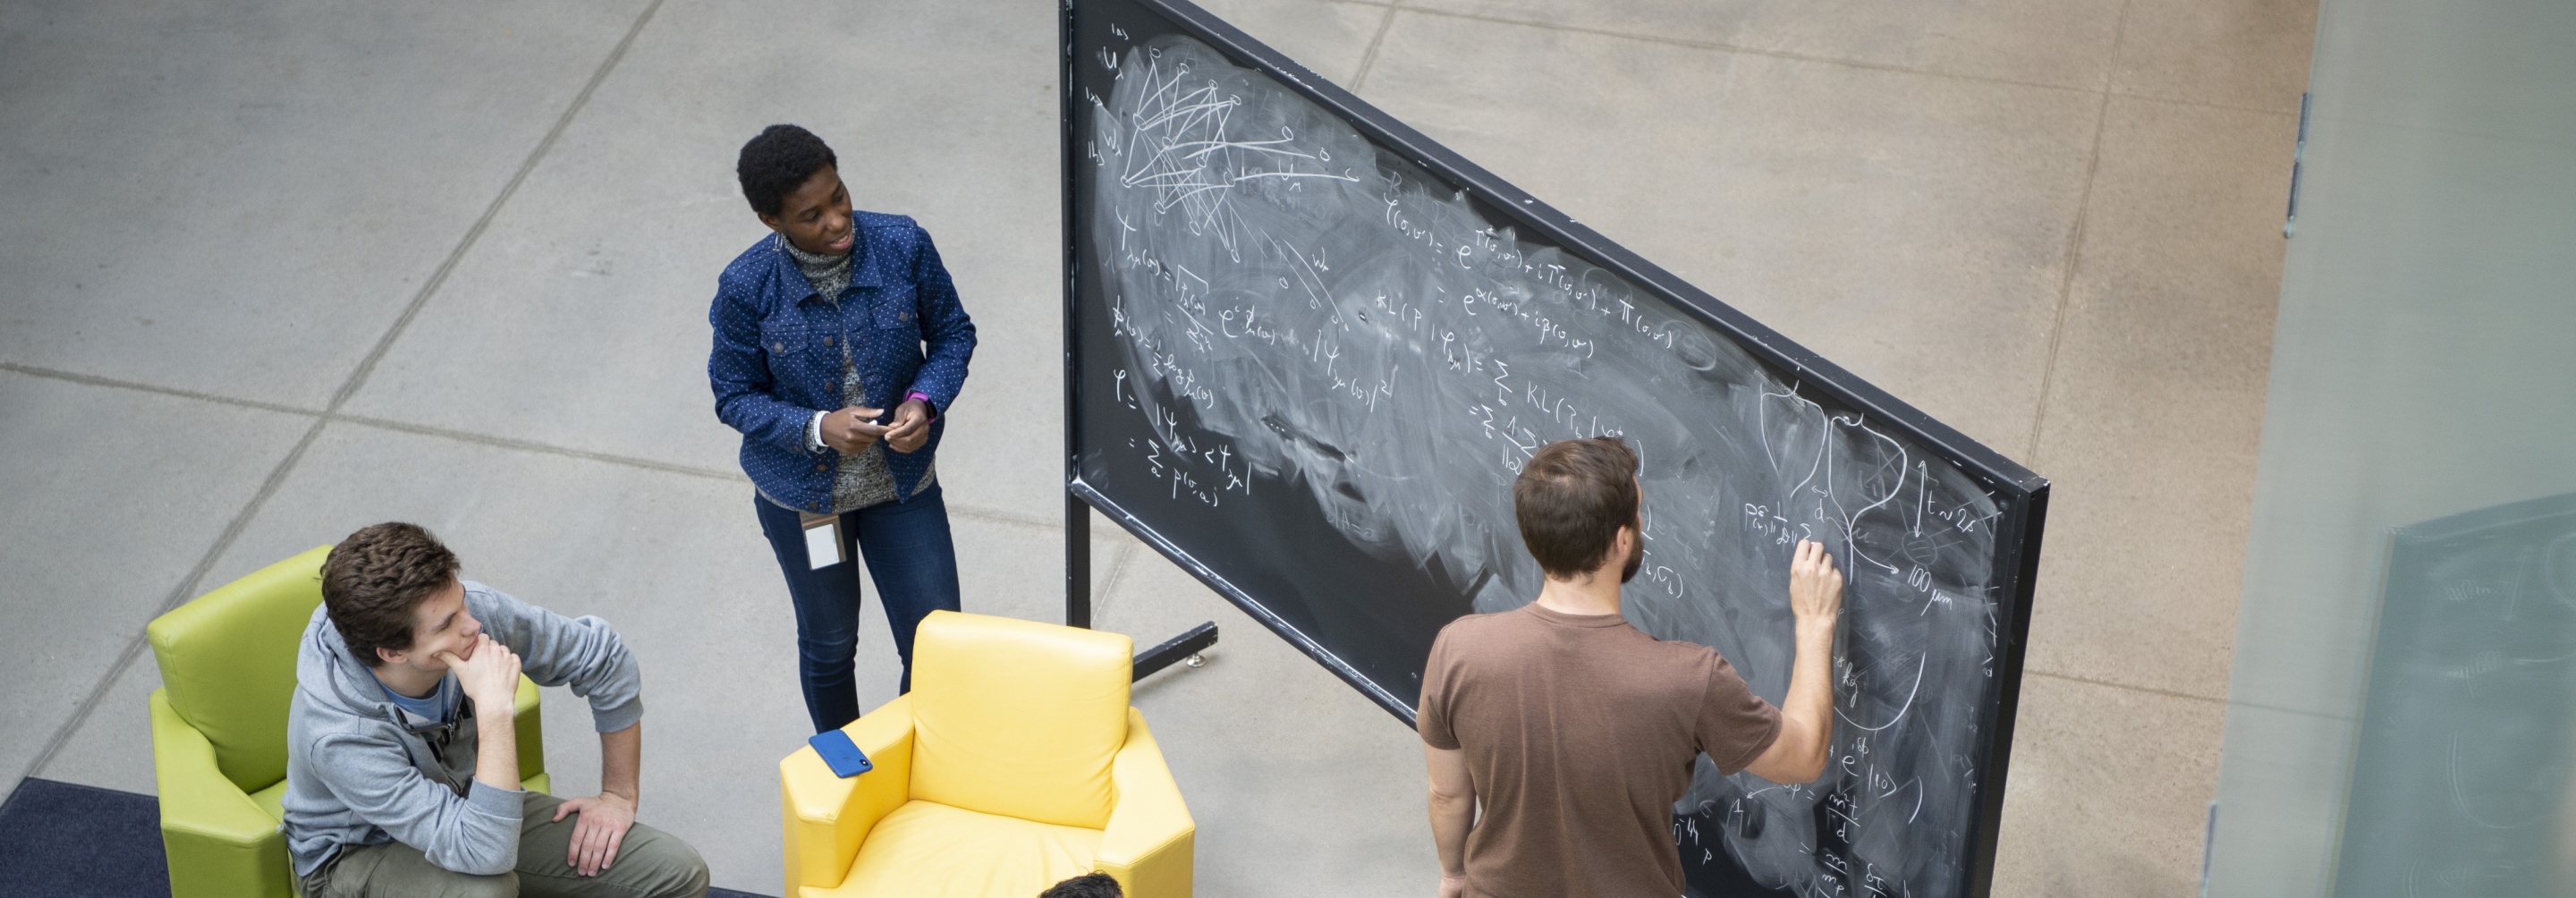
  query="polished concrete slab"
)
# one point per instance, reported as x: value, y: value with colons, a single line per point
x: 112, y: 748
x: 582, y: 320
x: 2246, y: 53
x: 113, y: 497
x: 2035, y: 221
x: 244, y: 197
x: 2059, y: 44
x: 2110, y: 791
x: 1328, y: 37
x: 1910, y: 227
x: 632, y: 267
x: 2155, y: 403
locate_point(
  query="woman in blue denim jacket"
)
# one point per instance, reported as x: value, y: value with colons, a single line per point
x: 839, y: 344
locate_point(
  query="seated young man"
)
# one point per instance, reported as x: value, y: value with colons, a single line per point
x: 402, y: 758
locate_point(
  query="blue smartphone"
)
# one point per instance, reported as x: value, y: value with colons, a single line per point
x: 837, y: 750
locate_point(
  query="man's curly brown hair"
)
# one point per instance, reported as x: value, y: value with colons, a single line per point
x: 374, y: 580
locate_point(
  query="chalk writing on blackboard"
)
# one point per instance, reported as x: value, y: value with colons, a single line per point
x: 1292, y: 306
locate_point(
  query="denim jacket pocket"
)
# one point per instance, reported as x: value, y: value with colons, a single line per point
x: 789, y: 347
x: 895, y: 310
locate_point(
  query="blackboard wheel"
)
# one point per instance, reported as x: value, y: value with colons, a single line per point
x: 1196, y: 661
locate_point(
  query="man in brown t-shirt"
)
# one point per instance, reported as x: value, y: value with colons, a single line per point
x: 1577, y: 731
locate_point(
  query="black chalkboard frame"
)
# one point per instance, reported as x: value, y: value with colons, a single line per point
x: 2018, y: 531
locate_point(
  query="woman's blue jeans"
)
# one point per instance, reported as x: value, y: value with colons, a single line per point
x: 914, y: 564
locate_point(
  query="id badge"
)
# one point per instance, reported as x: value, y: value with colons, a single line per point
x: 822, y: 540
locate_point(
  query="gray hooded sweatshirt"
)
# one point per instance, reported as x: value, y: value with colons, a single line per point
x: 361, y: 771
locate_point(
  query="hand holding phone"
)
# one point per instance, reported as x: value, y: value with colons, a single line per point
x: 852, y: 429
x: 911, y: 426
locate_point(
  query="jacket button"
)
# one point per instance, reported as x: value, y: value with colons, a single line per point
x: 778, y: 347
x: 903, y: 316
x: 818, y: 469
x: 827, y: 341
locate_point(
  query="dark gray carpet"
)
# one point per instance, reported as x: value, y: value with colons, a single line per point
x: 59, y: 840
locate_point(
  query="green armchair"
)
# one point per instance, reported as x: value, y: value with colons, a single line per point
x: 219, y: 729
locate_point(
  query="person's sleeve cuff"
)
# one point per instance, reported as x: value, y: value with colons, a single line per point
x: 1432, y: 722
x: 610, y: 720
x: 489, y: 800
x: 1753, y: 750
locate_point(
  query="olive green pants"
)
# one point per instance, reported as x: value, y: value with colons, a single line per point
x: 650, y: 864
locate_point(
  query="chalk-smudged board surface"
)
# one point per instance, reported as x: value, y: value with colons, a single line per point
x: 2460, y: 777
x: 1310, y: 349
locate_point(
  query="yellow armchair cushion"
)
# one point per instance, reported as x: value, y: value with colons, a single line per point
x: 929, y: 850
x: 228, y: 662
x: 1017, y: 718
x: 272, y: 800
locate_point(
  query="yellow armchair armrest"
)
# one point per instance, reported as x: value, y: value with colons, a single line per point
x: 530, y: 724
x: 220, y: 843
x: 826, y: 817
x: 1150, y: 842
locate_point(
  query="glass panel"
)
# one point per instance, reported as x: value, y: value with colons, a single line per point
x: 2399, y: 722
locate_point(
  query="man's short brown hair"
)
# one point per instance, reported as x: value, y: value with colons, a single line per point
x: 1571, y: 499
x: 373, y: 581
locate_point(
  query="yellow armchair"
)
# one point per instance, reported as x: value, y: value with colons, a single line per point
x: 1015, y: 763
x: 227, y: 663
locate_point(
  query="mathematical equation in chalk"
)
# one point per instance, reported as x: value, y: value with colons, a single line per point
x: 1278, y: 299
x: 1205, y: 473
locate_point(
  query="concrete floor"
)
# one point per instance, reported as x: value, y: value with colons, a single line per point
x: 304, y: 266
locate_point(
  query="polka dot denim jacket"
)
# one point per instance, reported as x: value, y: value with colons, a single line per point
x: 777, y: 356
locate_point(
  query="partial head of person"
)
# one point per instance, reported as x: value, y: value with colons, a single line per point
x: 1088, y: 885
x: 1577, y: 503
x: 392, y: 591
x: 794, y: 184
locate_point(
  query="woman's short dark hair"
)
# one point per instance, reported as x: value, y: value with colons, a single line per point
x: 778, y: 161
x: 1571, y: 499
x: 373, y: 581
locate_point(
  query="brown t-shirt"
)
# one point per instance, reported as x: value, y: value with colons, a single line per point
x: 1580, y: 733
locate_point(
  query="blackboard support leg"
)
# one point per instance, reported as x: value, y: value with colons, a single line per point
x: 1077, y: 598
x: 1186, y: 646
x: 1077, y: 561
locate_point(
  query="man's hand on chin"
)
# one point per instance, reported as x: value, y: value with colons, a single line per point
x: 595, y: 837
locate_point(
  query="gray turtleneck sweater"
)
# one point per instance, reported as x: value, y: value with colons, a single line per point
x: 863, y: 479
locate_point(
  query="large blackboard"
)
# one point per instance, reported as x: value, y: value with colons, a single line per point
x: 1308, y: 348
x: 2461, y: 780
